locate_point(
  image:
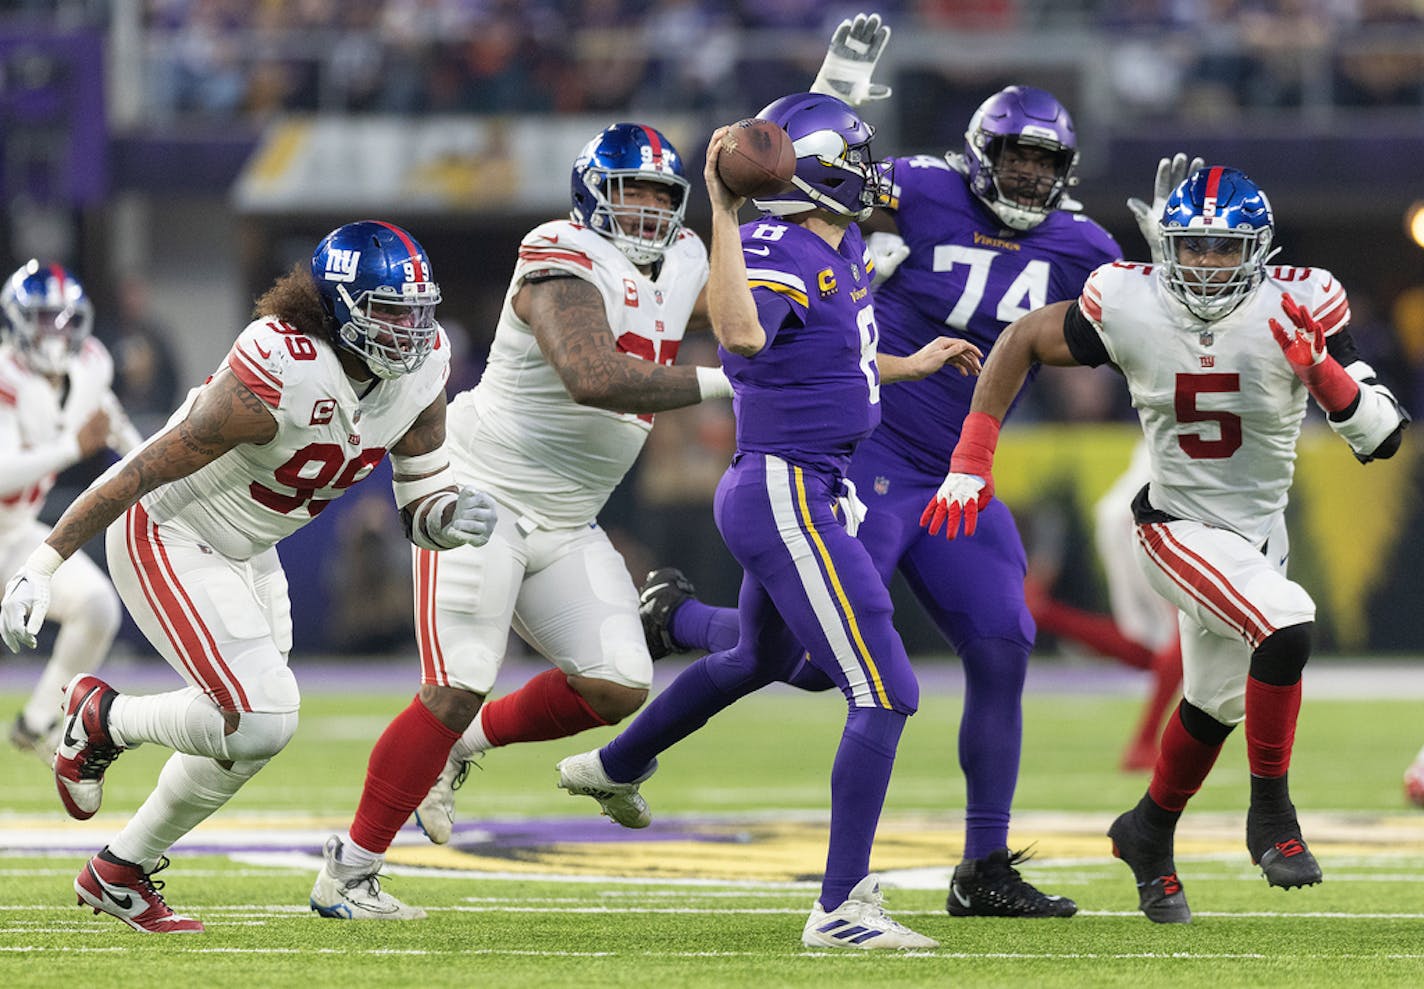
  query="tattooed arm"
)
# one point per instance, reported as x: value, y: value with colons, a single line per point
x: 224, y: 415
x: 569, y: 323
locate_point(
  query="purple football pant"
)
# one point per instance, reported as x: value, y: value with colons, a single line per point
x: 806, y: 582
x: 972, y: 589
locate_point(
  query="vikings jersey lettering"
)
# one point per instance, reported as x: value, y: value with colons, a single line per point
x: 518, y: 434
x: 1220, y: 406
x: 34, y: 414
x: 825, y: 342
x: 327, y: 439
x: 969, y: 277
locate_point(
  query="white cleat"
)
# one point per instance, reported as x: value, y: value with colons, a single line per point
x: 584, y: 774
x: 860, y: 922
x: 343, y: 893
x: 436, y: 813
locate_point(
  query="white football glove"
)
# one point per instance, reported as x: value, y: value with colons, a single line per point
x: 850, y: 61
x: 474, y: 518
x: 886, y: 253
x: 1171, y: 172
x: 26, y: 602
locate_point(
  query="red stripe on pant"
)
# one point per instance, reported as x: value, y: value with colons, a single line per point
x: 189, y: 637
x: 427, y: 635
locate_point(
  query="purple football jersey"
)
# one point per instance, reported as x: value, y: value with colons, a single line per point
x: 970, y: 277
x: 823, y: 340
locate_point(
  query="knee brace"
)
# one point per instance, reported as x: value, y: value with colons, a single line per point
x: 1202, y: 726
x: 1281, y: 658
x: 259, y: 736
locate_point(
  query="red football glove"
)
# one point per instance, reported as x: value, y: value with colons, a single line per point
x: 969, y: 486
x: 1304, y: 347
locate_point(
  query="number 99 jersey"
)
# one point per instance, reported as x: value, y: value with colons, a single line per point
x: 327, y: 439
x: 1220, y: 406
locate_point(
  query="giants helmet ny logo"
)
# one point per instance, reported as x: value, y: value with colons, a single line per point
x: 341, y: 265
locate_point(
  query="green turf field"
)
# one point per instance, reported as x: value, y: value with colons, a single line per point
x: 542, y: 892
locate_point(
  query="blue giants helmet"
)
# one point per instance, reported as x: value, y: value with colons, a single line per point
x: 1216, y: 209
x: 47, y: 316
x: 1024, y: 117
x: 834, y: 169
x: 375, y: 283
x: 629, y: 153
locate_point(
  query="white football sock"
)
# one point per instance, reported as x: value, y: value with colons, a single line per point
x: 189, y: 789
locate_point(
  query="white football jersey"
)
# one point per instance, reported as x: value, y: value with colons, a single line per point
x: 1220, y: 406
x: 34, y: 414
x: 327, y: 439
x: 518, y: 434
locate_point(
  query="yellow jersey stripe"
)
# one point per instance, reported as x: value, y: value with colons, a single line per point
x: 786, y: 290
x: 836, y: 586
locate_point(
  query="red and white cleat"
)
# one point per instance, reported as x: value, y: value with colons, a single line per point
x: 85, y: 746
x: 123, y: 890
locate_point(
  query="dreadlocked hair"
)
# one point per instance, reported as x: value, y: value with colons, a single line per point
x: 294, y: 299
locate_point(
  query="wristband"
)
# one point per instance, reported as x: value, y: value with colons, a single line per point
x: 1330, y: 384
x: 974, y: 453
x: 45, y: 560
x: 712, y: 382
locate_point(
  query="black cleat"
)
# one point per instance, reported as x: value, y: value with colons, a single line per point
x: 662, y: 591
x: 1275, y: 844
x: 1148, y: 853
x: 992, y: 887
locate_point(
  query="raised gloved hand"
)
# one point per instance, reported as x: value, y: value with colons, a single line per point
x: 1171, y: 172
x: 886, y: 252
x: 26, y: 602
x: 474, y: 519
x: 1304, y: 347
x: 969, y: 486
x: 850, y: 61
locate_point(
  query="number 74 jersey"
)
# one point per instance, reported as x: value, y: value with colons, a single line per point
x: 327, y: 439
x: 1220, y: 406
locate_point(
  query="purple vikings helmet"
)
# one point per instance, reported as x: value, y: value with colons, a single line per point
x: 47, y: 316
x: 1216, y: 209
x: 834, y: 169
x: 1025, y: 117
x: 629, y: 153
x: 375, y: 283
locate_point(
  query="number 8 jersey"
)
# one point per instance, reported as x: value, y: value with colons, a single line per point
x: 1220, y: 406
x: 327, y: 439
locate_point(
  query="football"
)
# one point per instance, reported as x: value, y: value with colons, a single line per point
x: 757, y: 158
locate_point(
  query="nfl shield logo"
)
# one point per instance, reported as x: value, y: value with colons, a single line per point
x: 855, y: 271
x: 882, y: 485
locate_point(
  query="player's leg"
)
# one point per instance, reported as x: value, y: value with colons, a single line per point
x: 828, y: 591
x: 464, y: 599
x: 1233, y: 592
x: 577, y: 607
x: 225, y: 626
x: 973, y: 591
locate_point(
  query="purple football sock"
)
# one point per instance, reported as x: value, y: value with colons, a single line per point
x: 700, y: 691
x: 859, y: 779
x: 990, y: 740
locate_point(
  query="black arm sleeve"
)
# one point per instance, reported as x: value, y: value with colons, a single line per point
x: 1084, y: 343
